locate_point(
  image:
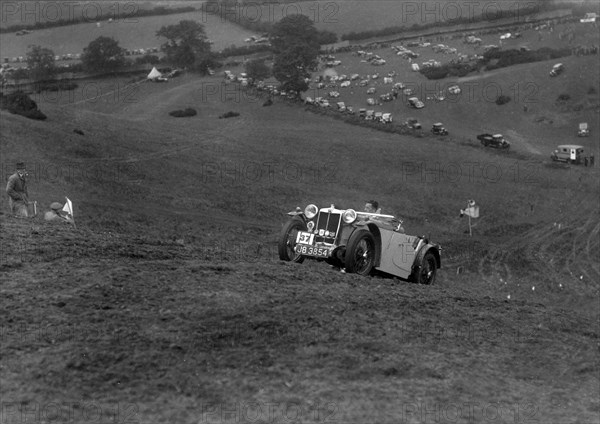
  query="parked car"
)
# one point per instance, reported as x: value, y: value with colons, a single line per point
x: 584, y: 130
x: 438, y: 129
x: 413, y: 123
x: 360, y: 242
x: 557, y: 70
x: 455, y: 89
x: 416, y: 103
x: 569, y: 153
x: 496, y: 140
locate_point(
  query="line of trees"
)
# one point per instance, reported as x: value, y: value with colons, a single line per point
x: 494, y: 59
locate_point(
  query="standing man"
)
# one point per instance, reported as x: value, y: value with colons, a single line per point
x: 16, y: 188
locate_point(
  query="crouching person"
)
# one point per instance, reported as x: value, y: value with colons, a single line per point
x: 56, y: 214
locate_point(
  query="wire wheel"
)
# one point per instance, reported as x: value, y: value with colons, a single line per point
x: 287, y: 241
x: 361, y: 253
x: 427, y: 270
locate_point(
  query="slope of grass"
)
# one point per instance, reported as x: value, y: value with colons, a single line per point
x: 167, y: 303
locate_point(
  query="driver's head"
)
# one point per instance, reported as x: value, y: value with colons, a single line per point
x: 371, y: 206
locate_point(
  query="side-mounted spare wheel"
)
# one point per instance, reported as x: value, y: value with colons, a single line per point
x: 287, y: 240
x: 426, y: 270
x: 361, y: 253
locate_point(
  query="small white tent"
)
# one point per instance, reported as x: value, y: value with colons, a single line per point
x: 154, y: 74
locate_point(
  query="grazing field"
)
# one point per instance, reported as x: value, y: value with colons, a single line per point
x: 346, y: 16
x: 130, y: 33
x: 30, y: 13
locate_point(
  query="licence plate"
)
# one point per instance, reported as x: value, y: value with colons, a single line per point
x: 304, y: 237
x: 319, y: 252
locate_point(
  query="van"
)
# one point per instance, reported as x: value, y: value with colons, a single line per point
x: 569, y: 153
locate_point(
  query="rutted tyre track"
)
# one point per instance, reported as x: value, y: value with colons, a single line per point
x: 571, y: 240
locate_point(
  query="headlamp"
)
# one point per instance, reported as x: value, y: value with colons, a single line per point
x: 349, y: 216
x: 311, y: 211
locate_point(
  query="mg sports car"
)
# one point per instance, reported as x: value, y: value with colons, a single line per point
x: 360, y: 242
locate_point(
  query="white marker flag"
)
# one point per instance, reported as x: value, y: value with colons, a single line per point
x: 472, y: 210
x: 68, y: 209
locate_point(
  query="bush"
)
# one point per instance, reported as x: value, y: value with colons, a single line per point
x: 33, y: 114
x: 183, y: 113
x: 447, y: 69
x: 497, y: 58
x: 592, y: 90
x: 229, y: 114
x: 55, y: 86
x: 501, y: 100
x: 563, y: 97
x: 434, y: 73
x: 21, y: 104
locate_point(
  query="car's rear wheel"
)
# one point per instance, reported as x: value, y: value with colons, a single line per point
x: 361, y: 253
x: 287, y: 241
x: 427, y: 270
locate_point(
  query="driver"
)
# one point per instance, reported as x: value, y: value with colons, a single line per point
x: 372, y: 206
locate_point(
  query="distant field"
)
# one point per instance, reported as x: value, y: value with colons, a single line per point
x: 139, y: 33
x: 346, y: 16
x: 29, y: 12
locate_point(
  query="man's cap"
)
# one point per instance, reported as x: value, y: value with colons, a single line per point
x: 20, y: 165
x: 55, y: 206
x: 374, y: 203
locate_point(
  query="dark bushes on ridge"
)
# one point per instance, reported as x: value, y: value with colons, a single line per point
x: 21, y: 104
x: 183, y: 113
x: 229, y: 114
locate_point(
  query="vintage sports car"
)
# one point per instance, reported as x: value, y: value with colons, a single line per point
x: 360, y: 242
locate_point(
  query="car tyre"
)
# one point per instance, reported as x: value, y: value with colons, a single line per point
x: 287, y: 241
x: 361, y: 253
x: 427, y: 270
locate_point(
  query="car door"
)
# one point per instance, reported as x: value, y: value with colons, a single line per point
x: 397, y: 253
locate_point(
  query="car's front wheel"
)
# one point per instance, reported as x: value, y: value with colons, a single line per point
x: 361, y: 253
x: 427, y: 270
x: 287, y: 241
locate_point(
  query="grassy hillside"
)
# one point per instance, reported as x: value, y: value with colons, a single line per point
x: 167, y: 302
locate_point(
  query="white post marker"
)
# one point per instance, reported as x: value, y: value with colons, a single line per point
x: 472, y: 211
